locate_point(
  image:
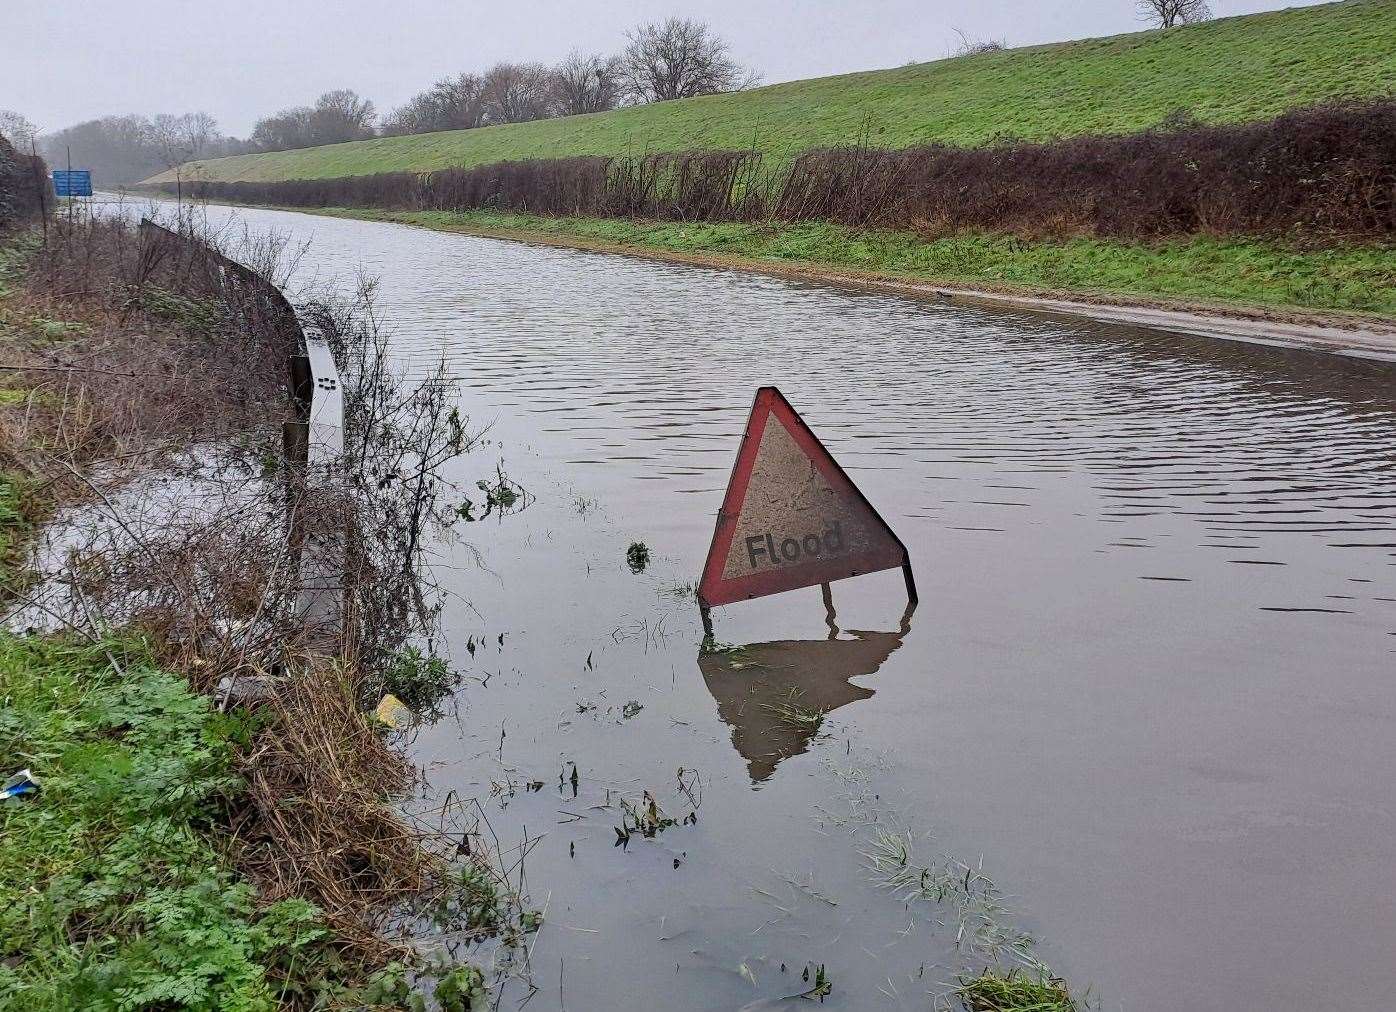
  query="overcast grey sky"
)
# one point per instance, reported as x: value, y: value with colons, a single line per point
x: 62, y: 62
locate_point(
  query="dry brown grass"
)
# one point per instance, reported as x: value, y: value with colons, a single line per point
x: 317, y: 820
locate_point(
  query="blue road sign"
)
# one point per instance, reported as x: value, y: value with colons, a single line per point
x: 72, y: 182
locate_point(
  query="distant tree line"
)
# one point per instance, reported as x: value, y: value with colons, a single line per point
x: 336, y: 116
x: 127, y: 149
x: 662, y: 60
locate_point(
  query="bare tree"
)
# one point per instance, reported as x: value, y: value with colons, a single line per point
x: 341, y: 115
x: 288, y: 128
x: 517, y: 93
x: 117, y: 149
x: 336, y: 116
x: 586, y: 83
x: 17, y: 129
x: 679, y: 58
x: 976, y: 47
x: 453, y: 103
x: 179, y: 139
x: 1169, y: 13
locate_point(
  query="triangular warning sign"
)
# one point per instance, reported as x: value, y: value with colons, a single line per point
x: 792, y: 517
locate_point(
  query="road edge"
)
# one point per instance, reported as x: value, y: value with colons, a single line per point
x: 1331, y: 333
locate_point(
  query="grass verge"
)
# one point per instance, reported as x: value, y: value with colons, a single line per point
x: 120, y: 895
x: 175, y: 856
x: 1192, y: 272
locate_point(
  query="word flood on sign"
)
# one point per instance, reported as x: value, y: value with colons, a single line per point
x: 792, y: 518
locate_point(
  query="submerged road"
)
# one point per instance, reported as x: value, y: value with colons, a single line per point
x: 1148, y: 691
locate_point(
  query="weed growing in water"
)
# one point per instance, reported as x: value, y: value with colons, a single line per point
x: 419, y: 680
x: 502, y: 496
x: 788, y: 710
x: 974, y: 898
x: 637, y: 556
x: 822, y: 984
x: 646, y: 819
x: 738, y: 656
x: 1014, y: 991
x: 458, y: 989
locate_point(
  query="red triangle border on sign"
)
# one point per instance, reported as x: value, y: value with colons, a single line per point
x: 714, y: 590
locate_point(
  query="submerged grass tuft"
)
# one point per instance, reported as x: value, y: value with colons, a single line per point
x: 637, y: 556
x: 1014, y: 991
x: 790, y: 711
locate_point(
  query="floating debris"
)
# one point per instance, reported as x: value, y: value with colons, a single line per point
x: 392, y: 712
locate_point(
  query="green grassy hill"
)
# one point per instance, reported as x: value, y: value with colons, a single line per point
x: 1234, y: 69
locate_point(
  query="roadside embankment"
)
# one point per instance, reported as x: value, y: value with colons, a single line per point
x: 1229, y: 70
x: 212, y: 817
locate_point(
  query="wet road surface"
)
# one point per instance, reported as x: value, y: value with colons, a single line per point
x: 1147, y: 692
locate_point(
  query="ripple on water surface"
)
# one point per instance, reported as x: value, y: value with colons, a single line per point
x: 1149, y: 680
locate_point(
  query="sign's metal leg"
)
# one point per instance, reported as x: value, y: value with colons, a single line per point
x: 707, y: 615
x: 910, y: 582
x: 830, y: 619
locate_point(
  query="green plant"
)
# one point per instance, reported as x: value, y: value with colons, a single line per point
x: 1014, y: 991
x: 461, y: 989
x: 121, y: 898
x: 472, y: 899
x: 418, y: 679
x: 637, y: 556
x: 790, y: 711
x: 14, y: 525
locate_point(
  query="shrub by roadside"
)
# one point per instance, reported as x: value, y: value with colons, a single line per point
x: 1323, y: 170
x: 24, y: 186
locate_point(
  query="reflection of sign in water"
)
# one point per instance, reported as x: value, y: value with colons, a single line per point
x: 775, y: 696
x: 791, y: 517
x: 72, y: 182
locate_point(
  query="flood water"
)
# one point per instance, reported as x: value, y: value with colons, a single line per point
x: 1148, y: 690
